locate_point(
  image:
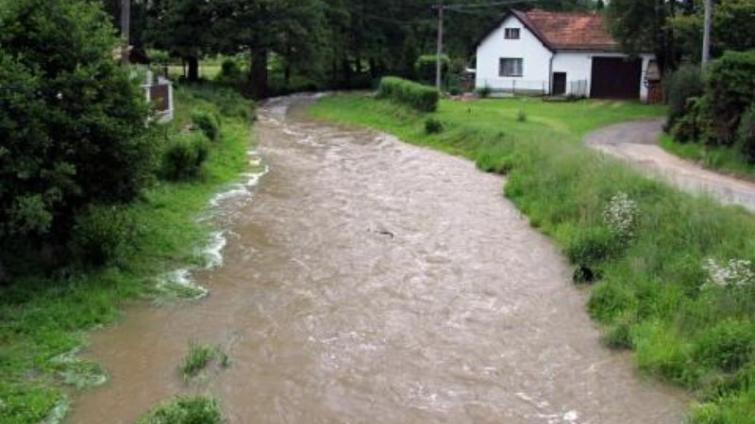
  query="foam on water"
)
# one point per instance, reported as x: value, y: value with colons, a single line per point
x: 212, y: 252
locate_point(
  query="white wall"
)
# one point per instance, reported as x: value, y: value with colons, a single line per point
x: 578, y: 67
x: 536, y: 59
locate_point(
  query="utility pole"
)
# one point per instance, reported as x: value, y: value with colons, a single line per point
x: 125, y: 30
x: 706, y: 32
x: 438, y: 62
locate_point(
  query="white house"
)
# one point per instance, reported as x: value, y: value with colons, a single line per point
x: 559, y: 53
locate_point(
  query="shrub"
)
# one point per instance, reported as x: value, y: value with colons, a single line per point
x: 184, y: 157
x: 593, y: 245
x: 680, y: 87
x: 185, y: 410
x: 433, y: 126
x: 418, y: 96
x: 426, y: 67
x: 694, y: 124
x: 729, y: 87
x: 71, y: 120
x: 228, y: 101
x: 484, y: 92
x: 207, y: 122
x: 727, y: 346
x: 103, y: 234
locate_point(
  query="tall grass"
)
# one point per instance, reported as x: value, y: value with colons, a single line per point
x: 654, y: 293
x: 185, y: 410
x: 44, y: 316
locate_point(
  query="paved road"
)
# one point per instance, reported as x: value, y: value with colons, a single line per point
x: 637, y: 143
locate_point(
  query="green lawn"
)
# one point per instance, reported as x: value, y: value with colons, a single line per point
x: 724, y: 159
x: 652, y: 251
x: 43, y: 319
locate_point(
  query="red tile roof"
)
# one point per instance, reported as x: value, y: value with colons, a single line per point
x: 567, y: 30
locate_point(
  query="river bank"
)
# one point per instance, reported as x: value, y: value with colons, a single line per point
x: 355, y: 288
x: 45, y: 319
x: 657, y: 267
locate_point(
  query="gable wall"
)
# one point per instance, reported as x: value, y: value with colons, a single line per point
x: 536, y: 60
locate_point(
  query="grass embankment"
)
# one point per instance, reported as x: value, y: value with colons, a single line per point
x: 43, y: 318
x: 725, y: 159
x: 664, y: 284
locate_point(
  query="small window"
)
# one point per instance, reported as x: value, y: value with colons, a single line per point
x: 511, y: 33
x: 511, y: 67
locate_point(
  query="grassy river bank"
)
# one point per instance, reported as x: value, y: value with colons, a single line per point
x: 672, y: 273
x: 44, y: 318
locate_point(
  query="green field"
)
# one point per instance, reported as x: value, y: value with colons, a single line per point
x: 664, y: 284
x: 44, y: 318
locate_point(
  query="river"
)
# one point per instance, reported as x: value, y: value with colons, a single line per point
x: 374, y: 281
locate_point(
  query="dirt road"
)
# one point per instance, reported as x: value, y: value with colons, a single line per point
x: 637, y: 143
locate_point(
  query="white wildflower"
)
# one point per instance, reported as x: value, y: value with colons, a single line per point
x: 620, y: 214
x: 734, y: 273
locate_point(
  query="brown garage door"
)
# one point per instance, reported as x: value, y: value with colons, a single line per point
x: 617, y: 78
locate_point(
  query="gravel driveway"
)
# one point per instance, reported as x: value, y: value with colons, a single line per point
x: 637, y: 143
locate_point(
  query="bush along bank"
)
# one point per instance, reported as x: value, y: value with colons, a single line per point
x: 122, y: 252
x: 712, y: 117
x: 673, y: 274
x: 416, y: 96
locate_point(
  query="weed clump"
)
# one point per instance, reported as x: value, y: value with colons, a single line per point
x: 185, y: 410
x: 185, y: 156
x: 199, y: 357
x: 207, y: 122
x: 521, y: 116
x: 433, y: 126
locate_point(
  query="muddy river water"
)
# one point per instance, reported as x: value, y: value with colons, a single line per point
x: 370, y: 281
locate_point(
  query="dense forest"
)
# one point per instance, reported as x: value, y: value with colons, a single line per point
x: 331, y: 43
x: 289, y: 45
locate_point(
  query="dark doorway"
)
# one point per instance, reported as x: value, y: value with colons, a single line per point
x: 559, y: 83
x: 616, y: 77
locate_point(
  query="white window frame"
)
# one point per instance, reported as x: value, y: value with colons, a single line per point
x: 512, y: 33
x: 502, y: 68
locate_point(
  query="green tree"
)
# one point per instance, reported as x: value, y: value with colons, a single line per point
x: 181, y: 28
x: 289, y: 28
x: 72, y: 123
x: 732, y: 28
x: 642, y: 26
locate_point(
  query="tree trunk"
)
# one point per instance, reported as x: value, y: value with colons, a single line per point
x: 287, y: 74
x: 193, y: 68
x: 346, y: 66
x: 3, y: 274
x: 258, y: 78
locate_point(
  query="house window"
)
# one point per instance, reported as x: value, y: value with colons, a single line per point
x: 511, y: 33
x: 511, y: 67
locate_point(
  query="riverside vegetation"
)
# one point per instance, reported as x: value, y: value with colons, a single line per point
x: 712, y: 114
x: 44, y: 316
x: 673, y: 274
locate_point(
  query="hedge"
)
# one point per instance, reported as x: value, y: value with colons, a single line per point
x: 417, y: 96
